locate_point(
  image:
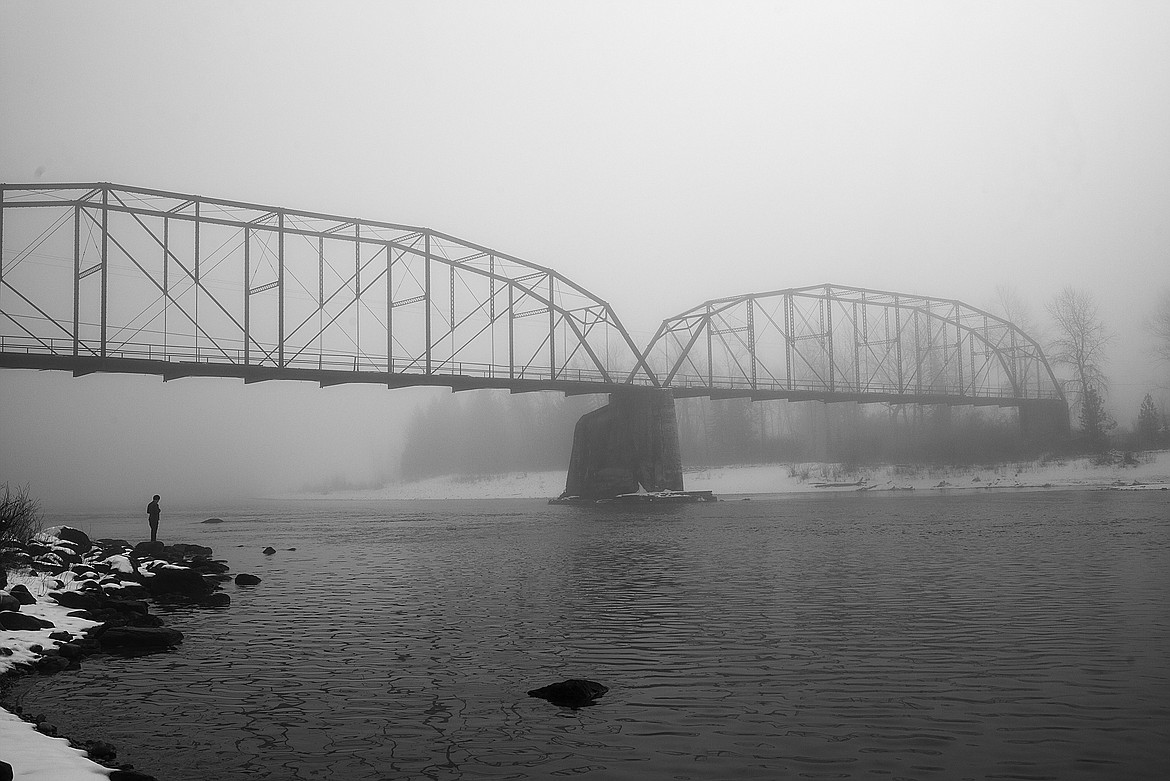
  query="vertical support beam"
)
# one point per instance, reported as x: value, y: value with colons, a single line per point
x: 247, y: 296
x: 105, y: 262
x: 76, y: 279
x: 917, y: 356
x: 898, y: 342
x: 492, y: 309
x: 710, y: 361
x: 751, y: 326
x: 829, y: 331
x: 451, y: 311
x: 166, y: 284
x: 320, y: 302
x: 857, y: 345
x: 552, y: 332
x: 2, y: 253
x: 427, y: 295
x: 197, y: 329
x: 511, y: 333
x: 357, y: 294
x: 959, y: 350
x: 789, y: 322
x: 389, y: 309
x: 280, y: 288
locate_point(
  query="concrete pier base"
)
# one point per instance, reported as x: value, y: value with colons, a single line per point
x: 629, y: 443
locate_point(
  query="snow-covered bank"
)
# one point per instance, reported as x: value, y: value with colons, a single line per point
x: 32, y: 755
x: 1151, y: 470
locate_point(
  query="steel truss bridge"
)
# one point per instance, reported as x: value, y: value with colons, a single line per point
x: 108, y: 278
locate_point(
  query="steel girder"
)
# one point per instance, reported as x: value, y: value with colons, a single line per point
x: 833, y: 342
x: 103, y: 271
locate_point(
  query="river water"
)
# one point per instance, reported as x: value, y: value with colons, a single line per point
x: 844, y: 636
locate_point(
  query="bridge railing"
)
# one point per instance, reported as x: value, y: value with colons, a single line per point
x: 325, y: 361
x: 765, y: 386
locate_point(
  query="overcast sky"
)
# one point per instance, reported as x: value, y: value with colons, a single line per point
x: 659, y: 153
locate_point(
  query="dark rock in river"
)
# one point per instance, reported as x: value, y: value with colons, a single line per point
x: 5, y: 771
x: 8, y: 602
x: 130, y: 775
x: 573, y: 693
x: 100, y: 751
x: 139, y: 638
x: 21, y: 622
x: 213, y: 520
x: 218, y: 599
x: 244, y: 579
x: 268, y: 551
x: 178, y: 580
x: 182, y: 550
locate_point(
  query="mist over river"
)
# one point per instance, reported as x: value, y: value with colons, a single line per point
x: 847, y: 636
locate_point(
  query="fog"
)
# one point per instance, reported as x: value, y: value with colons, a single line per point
x: 658, y: 153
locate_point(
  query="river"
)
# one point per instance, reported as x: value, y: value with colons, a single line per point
x: 906, y: 635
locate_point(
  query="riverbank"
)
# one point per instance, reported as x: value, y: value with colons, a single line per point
x: 69, y: 597
x: 1141, y: 471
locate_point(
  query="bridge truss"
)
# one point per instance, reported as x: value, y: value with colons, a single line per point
x: 837, y: 343
x: 103, y: 277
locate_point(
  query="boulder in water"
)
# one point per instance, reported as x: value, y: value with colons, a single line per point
x: 269, y: 551
x: 244, y: 579
x: 573, y: 693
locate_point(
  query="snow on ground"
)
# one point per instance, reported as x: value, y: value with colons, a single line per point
x: 1153, y: 471
x: 33, y: 756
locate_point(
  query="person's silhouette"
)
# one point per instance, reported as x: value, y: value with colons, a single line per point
x: 152, y: 513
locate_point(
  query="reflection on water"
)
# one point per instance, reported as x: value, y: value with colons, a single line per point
x: 993, y: 636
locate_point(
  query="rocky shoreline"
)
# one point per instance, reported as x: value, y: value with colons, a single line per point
x: 67, y: 597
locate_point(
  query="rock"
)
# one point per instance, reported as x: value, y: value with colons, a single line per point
x: 130, y: 775
x: 100, y: 751
x: 21, y: 622
x: 5, y: 771
x: 61, y: 635
x: 178, y: 580
x: 128, y: 606
x: 213, y: 520
x: 51, y: 665
x: 139, y: 638
x: 573, y: 693
x: 76, y: 600
x: 208, y: 567
x: 45, y: 728
x: 79, y: 538
x: 244, y: 579
x: 22, y: 594
x: 268, y: 551
x: 218, y: 599
x: 147, y: 550
x: 182, y: 550
x: 8, y: 602
x: 70, y: 651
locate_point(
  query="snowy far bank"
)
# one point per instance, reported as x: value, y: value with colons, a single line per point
x: 1150, y: 470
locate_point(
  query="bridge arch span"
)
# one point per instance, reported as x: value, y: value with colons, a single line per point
x: 836, y: 342
x: 105, y: 277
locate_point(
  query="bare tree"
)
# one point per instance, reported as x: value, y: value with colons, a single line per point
x: 1011, y: 307
x: 1080, y: 340
x: 1159, y: 325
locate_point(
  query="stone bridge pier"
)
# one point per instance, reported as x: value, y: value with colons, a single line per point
x: 629, y: 443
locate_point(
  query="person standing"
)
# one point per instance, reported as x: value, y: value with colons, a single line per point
x: 152, y: 513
